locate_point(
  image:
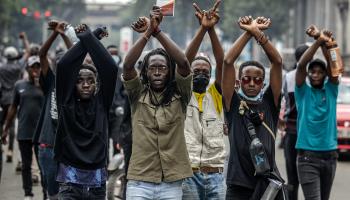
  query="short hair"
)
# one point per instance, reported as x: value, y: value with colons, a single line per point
x: 112, y: 46
x: 204, y: 58
x: 89, y: 67
x: 250, y: 63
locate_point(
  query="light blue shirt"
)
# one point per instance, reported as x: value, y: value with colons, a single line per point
x: 317, y: 123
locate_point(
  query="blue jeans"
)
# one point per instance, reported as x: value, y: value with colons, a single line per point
x: 140, y: 190
x: 71, y: 191
x: 49, y: 170
x: 204, y: 186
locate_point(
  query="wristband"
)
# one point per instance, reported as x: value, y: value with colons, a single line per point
x: 156, y: 31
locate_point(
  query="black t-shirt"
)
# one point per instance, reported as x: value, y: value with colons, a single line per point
x: 28, y: 99
x: 46, y: 128
x: 240, y: 168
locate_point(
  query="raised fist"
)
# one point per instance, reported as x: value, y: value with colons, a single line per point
x: 263, y: 23
x: 141, y: 24
x: 313, y: 31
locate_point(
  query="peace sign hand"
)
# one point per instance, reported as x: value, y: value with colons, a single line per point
x: 208, y: 19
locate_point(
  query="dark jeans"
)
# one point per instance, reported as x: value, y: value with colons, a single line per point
x: 49, y: 170
x: 26, y: 150
x: 316, y: 171
x: 70, y: 191
x: 236, y: 192
x: 290, y: 154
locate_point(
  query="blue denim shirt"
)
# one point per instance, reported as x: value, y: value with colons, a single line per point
x: 90, y: 178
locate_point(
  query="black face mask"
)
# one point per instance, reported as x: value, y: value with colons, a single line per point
x: 200, y: 83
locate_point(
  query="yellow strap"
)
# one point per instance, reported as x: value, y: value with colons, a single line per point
x: 217, y: 97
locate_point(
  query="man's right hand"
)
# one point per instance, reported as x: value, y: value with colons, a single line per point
x: 156, y: 18
x: 22, y: 35
x: 313, y: 31
x: 60, y: 27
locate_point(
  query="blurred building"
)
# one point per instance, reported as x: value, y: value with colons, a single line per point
x: 329, y: 14
x: 106, y: 13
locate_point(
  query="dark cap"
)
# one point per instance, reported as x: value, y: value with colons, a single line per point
x: 317, y: 62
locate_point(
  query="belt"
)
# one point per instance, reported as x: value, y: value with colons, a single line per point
x: 208, y: 170
x: 45, y: 145
x: 319, y: 154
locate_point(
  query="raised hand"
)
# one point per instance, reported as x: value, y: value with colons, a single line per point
x: 80, y: 28
x: 263, y: 23
x: 157, y: 15
x: 313, y: 31
x: 325, y: 36
x: 247, y: 23
x: 141, y: 24
x: 22, y: 35
x: 60, y: 27
x: 208, y: 19
x: 52, y: 24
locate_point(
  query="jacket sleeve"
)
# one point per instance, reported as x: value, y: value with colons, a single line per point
x: 106, y: 67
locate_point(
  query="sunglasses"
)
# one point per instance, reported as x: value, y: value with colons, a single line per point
x: 248, y: 79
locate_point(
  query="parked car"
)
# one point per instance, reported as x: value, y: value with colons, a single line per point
x: 343, y: 117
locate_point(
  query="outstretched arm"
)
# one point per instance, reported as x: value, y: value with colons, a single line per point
x: 228, y: 73
x: 68, y: 69
x: 24, y: 38
x: 301, y: 72
x: 44, y: 62
x: 105, y: 65
x: 183, y: 66
x: 274, y: 58
x: 141, y: 26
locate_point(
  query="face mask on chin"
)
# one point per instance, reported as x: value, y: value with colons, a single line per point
x: 200, y: 83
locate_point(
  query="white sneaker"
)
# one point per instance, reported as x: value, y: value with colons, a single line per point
x: 28, y: 198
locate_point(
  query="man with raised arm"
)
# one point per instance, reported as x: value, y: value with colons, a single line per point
x: 316, y: 103
x: 84, y: 95
x: 205, y: 118
x: 158, y: 96
x: 46, y: 128
x: 251, y: 114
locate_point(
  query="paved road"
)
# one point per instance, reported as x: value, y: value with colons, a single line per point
x: 11, y: 185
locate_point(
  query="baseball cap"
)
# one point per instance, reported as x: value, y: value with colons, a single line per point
x: 33, y: 60
x: 10, y: 52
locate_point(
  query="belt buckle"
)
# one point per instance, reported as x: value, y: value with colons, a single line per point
x: 220, y: 169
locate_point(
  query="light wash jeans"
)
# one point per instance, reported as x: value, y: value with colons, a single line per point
x: 204, y: 186
x: 140, y: 190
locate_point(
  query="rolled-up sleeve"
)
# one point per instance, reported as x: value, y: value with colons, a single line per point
x: 133, y: 88
x: 184, y: 85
